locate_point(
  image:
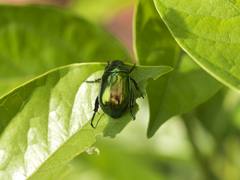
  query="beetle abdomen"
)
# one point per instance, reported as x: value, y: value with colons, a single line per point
x: 114, y: 94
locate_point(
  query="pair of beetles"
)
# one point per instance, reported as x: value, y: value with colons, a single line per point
x: 115, y: 93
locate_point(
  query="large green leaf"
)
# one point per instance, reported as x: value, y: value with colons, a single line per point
x: 45, y: 122
x: 36, y: 39
x: 177, y: 92
x: 209, y: 32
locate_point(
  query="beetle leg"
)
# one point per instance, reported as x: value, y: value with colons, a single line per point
x: 136, y: 86
x: 95, y: 111
x: 131, y: 104
x: 94, y: 81
x: 131, y: 68
x: 99, y: 119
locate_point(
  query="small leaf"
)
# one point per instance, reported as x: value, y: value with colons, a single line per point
x: 185, y: 87
x: 209, y: 32
x: 46, y: 122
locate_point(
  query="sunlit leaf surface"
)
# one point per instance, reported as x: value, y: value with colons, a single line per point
x: 45, y: 122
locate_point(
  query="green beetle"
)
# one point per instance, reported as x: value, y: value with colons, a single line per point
x: 115, y: 93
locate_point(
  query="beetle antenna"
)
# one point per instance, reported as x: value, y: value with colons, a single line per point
x: 125, y: 59
x: 107, y: 63
x: 108, y: 60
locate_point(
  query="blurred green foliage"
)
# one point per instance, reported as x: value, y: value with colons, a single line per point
x: 99, y: 11
x: 201, y: 141
x: 37, y: 39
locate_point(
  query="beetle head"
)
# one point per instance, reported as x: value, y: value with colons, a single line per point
x: 117, y: 62
x: 114, y: 63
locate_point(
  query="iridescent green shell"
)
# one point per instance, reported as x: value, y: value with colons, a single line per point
x: 114, y: 92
